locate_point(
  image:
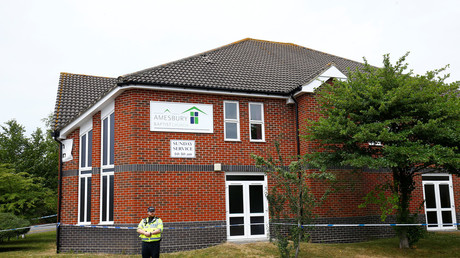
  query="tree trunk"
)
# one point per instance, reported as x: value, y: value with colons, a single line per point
x: 404, y: 185
x: 299, y: 237
x: 403, y: 240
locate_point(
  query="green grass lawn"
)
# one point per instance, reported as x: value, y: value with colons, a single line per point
x: 435, y: 245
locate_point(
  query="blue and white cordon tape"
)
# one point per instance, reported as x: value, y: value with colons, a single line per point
x: 289, y: 224
x: 36, y: 226
x: 254, y: 224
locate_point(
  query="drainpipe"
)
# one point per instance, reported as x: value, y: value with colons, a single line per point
x: 55, y: 135
x: 297, y: 127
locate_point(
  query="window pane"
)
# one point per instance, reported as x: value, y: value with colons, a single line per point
x: 256, y: 198
x: 235, y: 193
x: 257, y: 225
x: 111, y: 198
x: 432, y: 218
x: 256, y: 112
x: 435, y: 178
x: 231, y: 131
x: 82, y: 199
x: 104, y: 198
x: 230, y: 111
x: 237, y: 230
x: 244, y: 178
x: 445, y: 196
x: 83, y: 151
x: 88, y: 201
x: 256, y: 132
x: 90, y: 148
x: 429, y: 196
x: 112, y: 138
x: 104, y: 140
x: 447, y: 218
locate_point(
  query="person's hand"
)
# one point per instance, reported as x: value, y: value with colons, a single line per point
x: 147, y: 234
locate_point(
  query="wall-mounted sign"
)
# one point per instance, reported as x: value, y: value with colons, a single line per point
x: 67, y: 150
x: 181, y: 117
x: 182, y: 149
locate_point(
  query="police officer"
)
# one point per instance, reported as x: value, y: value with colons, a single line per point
x: 150, y: 229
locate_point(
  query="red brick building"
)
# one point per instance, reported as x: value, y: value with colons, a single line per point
x: 180, y: 136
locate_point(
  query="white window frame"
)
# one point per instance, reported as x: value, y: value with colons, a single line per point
x: 246, y: 213
x: 232, y: 121
x: 109, y: 168
x: 84, y: 172
x: 261, y: 122
x: 438, y: 209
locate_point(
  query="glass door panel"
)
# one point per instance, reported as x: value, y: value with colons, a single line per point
x: 236, y: 210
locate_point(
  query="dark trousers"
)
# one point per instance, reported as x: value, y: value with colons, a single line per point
x: 151, y: 249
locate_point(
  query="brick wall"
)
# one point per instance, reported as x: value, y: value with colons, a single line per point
x: 178, y: 236
x: 189, y: 191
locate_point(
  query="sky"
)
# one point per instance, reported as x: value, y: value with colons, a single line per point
x: 41, y: 39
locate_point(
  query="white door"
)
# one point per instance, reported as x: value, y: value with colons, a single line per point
x: 439, y: 201
x: 247, y: 208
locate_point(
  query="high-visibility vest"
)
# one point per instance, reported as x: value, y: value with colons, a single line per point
x: 151, y: 226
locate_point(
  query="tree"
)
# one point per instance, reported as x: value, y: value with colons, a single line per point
x: 414, y: 119
x: 12, y: 142
x: 24, y: 195
x: 40, y: 158
x: 290, y: 190
x: 37, y: 155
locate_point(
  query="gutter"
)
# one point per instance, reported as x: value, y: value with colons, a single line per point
x: 55, y: 135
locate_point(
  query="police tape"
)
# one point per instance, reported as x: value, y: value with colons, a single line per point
x: 49, y: 216
x: 368, y: 225
x: 36, y: 226
x: 120, y: 227
x: 287, y: 224
x: 238, y: 225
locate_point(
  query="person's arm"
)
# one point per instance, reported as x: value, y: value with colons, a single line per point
x: 143, y: 232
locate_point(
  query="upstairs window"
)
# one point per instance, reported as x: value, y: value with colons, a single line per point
x: 107, y: 168
x: 86, y: 150
x: 85, y: 173
x: 232, y: 121
x: 256, y: 122
x: 108, y: 139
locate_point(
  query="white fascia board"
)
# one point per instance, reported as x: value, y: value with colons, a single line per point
x: 201, y: 91
x: 331, y: 72
x: 110, y: 98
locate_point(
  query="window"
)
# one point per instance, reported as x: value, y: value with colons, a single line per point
x: 108, y: 138
x: 256, y: 121
x: 107, y: 168
x: 232, y: 121
x: 85, y: 172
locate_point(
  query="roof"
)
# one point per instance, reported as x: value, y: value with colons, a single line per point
x: 248, y: 65
x: 76, y: 93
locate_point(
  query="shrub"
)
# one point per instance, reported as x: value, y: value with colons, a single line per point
x: 10, y: 221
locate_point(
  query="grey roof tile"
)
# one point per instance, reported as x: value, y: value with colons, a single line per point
x: 76, y: 93
x: 249, y: 65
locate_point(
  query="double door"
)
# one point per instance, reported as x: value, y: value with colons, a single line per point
x: 439, y: 202
x: 247, y: 208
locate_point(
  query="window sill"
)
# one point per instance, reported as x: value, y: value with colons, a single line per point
x: 232, y: 140
x: 106, y: 223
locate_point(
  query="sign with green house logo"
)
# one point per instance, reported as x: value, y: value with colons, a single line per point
x: 181, y: 117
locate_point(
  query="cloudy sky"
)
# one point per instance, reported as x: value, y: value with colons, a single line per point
x: 40, y: 39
